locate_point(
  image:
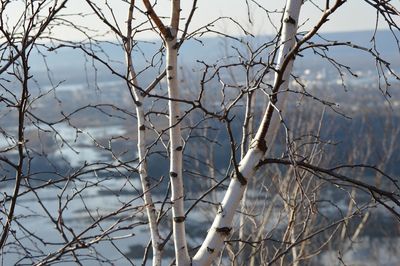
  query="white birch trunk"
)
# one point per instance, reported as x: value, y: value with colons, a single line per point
x: 141, y: 146
x: 144, y: 178
x: 177, y: 197
x: 176, y: 149
x: 169, y: 35
x: 146, y: 186
x: 221, y: 226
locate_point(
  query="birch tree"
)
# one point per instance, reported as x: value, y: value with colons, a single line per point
x: 169, y: 35
x: 288, y: 228
x: 141, y: 126
x: 247, y: 166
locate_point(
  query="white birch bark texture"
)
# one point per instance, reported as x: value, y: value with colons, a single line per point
x: 176, y: 149
x: 169, y: 35
x: 141, y: 146
x: 146, y: 185
x: 221, y: 226
x: 177, y: 194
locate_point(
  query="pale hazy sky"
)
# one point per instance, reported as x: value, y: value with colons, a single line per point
x: 354, y: 15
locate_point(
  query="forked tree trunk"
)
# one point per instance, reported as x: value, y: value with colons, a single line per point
x: 176, y: 148
x: 221, y: 226
x: 169, y: 35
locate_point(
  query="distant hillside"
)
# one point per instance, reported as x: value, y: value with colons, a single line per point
x: 71, y: 62
x: 212, y: 48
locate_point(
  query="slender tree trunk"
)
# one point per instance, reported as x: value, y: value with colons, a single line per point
x: 22, y: 108
x: 169, y: 35
x: 176, y: 149
x: 247, y: 131
x: 141, y: 146
x: 221, y: 226
x: 291, y: 206
x: 146, y: 184
x: 177, y: 197
x: 28, y: 39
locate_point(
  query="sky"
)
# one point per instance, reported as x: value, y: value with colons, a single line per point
x: 352, y: 16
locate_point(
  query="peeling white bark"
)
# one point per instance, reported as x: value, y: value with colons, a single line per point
x: 221, y: 226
